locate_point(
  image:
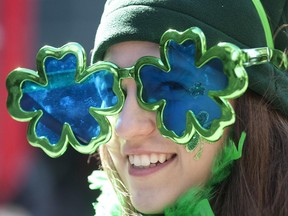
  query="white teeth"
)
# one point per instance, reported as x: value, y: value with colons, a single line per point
x: 153, y: 158
x: 162, y: 158
x: 148, y: 160
x: 169, y: 157
x: 137, y: 161
x: 145, y: 160
x: 131, y: 159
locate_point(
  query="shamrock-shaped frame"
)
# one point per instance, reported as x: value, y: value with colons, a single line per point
x: 232, y: 58
x: 230, y: 55
x: 17, y: 78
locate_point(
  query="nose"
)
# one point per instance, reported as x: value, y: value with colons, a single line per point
x: 133, y: 121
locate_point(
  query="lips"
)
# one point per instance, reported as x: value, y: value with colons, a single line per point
x: 148, y: 161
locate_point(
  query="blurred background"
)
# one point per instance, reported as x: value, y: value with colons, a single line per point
x: 31, y: 183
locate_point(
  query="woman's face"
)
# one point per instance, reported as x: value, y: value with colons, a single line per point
x: 155, y: 170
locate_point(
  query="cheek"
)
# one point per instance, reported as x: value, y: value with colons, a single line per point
x: 113, y: 146
x: 114, y: 150
x: 199, y: 171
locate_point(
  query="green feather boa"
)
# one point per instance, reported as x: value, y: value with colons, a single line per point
x: 194, y: 202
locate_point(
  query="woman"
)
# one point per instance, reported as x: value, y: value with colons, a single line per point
x: 159, y: 100
x: 152, y: 174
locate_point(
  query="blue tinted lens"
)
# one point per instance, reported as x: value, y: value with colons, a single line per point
x: 64, y: 100
x: 184, y: 88
x: 104, y: 83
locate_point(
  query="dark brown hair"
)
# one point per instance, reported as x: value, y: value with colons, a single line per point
x: 258, y: 184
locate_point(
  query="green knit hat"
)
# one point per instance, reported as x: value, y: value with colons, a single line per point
x: 232, y: 21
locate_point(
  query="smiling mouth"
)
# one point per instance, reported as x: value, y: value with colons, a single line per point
x: 148, y: 161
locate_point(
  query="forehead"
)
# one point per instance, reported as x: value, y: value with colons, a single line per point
x: 125, y: 54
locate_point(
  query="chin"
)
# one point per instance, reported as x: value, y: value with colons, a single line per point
x: 149, y: 211
x: 149, y: 207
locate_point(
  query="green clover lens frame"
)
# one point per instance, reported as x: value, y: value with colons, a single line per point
x: 188, y: 87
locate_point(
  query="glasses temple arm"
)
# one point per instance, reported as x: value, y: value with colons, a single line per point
x: 262, y: 55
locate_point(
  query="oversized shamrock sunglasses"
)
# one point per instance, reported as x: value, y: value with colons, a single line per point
x: 188, y: 87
